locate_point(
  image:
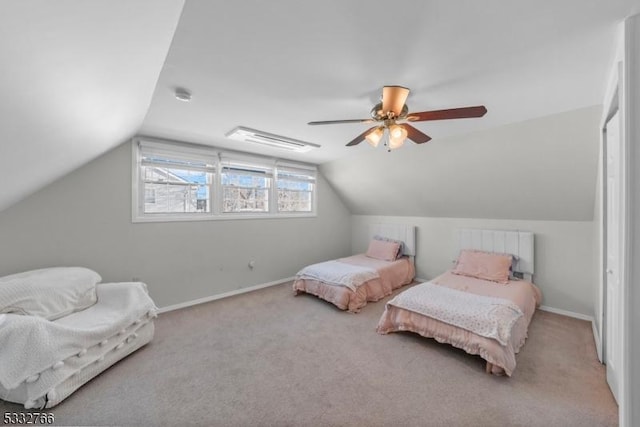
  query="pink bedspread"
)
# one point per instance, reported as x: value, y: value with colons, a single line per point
x: 524, y: 294
x: 393, y: 274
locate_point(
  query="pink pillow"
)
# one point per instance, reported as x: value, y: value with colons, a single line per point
x: 484, y: 265
x: 386, y: 251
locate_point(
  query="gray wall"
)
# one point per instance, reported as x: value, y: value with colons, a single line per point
x: 563, y: 253
x: 85, y: 219
x: 541, y: 169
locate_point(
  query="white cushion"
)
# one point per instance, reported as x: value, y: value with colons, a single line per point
x: 50, y: 292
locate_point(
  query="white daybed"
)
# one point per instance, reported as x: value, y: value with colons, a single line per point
x: 70, y: 331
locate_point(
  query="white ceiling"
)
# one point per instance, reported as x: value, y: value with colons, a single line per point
x: 78, y: 77
x: 277, y: 65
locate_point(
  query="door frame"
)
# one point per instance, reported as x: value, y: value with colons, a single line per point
x: 611, y: 108
x: 627, y: 60
x: 630, y: 106
x: 616, y: 100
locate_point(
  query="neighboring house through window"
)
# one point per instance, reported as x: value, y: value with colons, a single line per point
x: 177, y: 182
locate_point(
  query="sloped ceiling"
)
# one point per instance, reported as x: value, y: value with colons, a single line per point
x: 276, y: 65
x: 540, y: 169
x: 76, y: 79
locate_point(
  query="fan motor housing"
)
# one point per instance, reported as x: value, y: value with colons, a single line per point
x: 379, y: 115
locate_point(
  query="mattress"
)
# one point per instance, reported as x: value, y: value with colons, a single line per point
x: 118, y: 350
x: 392, y: 275
x: 501, y: 357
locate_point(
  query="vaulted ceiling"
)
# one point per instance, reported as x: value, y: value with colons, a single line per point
x: 79, y: 78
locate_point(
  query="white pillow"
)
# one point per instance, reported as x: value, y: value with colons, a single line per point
x: 50, y: 292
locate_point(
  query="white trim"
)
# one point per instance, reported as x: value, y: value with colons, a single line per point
x: 221, y: 217
x: 596, y: 338
x: 629, y: 414
x: 566, y: 313
x: 613, y: 90
x: 222, y: 295
x: 219, y: 157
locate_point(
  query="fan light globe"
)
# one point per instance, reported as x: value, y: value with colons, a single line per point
x: 374, y: 137
x: 397, y: 135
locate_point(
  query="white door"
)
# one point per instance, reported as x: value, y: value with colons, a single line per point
x: 613, y: 339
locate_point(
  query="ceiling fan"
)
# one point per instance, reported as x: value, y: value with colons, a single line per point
x: 392, y: 113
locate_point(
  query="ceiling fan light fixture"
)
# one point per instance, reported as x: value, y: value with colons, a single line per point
x: 397, y: 136
x: 393, y: 108
x: 375, y: 136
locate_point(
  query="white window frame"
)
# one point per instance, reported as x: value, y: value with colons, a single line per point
x: 312, y: 170
x: 168, y: 149
x: 218, y: 157
x: 250, y: 162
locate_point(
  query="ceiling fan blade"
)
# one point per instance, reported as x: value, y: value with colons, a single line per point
x: 415, y: 135
x: 393, y: 99
x: 358, y: 139
x: 333, y: 122
x: 454, y: 113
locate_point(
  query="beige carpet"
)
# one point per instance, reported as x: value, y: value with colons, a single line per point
x: 269, y: 358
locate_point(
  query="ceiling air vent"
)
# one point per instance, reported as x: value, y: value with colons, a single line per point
x: 242, y: 133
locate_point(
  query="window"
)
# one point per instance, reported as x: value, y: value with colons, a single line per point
x: 172, y: 180
x: 171, y: 190
x: 178, y: 182
x: 245, y: 186
x: 295, y: 188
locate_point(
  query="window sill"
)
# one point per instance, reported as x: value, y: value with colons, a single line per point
x: 223, y: 217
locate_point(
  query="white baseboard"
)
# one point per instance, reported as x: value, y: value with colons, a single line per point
x: 222, y: 295
x: 566, y: 313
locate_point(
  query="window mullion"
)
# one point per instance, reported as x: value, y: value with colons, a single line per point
x: 184, y: 182
x: 218, y: 193
x: 273, y: 193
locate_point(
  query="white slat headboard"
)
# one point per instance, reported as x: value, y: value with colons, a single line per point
x: 518, y: 243
x: 406, y: 233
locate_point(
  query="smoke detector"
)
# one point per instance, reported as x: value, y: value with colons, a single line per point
x: 182, y: 94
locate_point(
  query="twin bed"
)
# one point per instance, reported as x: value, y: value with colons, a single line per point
x: 483, y: 305
x: 349, y: 283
